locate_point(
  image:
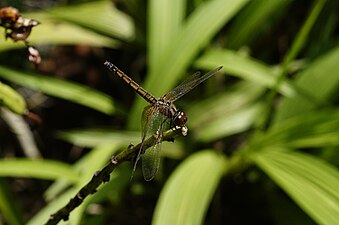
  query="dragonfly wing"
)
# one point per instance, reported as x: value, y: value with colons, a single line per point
x: 151, y: 161
x: 146, y: 124
x: 154, y: 123
x: 190, y: 83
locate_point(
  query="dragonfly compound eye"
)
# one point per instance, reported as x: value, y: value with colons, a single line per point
x: 180, y: 119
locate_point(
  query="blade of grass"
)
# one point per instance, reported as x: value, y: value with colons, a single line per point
x: 99, y: 16
x: 41, y: 169
x: 310, y: 182
x: 257, y: 17
x: 296, y: 47
x: 320, y: 80
x: 8, y: 207
x: 188, y: 192
x: 314, y: 129
x: 62, y: 33
x: 11, y: 99
x: 86, y: 166
x: 164, y: 22
x: 59, y: 88
x: 229, y: 124
x: 243, y: 67
x: 226, y: 113
x: 94, y: 137
x: 23, y: 133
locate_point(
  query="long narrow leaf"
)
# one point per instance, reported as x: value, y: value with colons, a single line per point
x: 11, y: 99
x: 229, y: 124
x: 187, y: 193
x: 226, y: 113
x: 315, y: 129
x: 88, y: 166
x: 257, y: 17
x: 164, y: 22
x: 42, y: 169
x: 99, y: 16
x: 243, y: 67
x: 59, y: 88
x: 94, y: 137
x: 310, y: 182
x: 318, y: 82
x: 8, y: 208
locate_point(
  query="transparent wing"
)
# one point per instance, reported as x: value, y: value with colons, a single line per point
x: 190, y: 83
x: 154, y: 123
x: 151, y: 161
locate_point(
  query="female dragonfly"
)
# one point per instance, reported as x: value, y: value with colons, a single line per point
x: 159, y: 115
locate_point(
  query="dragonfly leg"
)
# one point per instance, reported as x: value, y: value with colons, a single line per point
x: 181, y: 130
x: 156, y: 135
x: 114, y: 160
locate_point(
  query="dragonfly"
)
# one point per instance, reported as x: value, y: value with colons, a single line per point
x: 159, y: 115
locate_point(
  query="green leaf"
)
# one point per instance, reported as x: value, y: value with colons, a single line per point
x: 315, y: 129
x: 41, y: 169
x: 8, y: 208
x: 88, y: 165
x: 196, y: 32
x: 228, y: 124
x: 99, y: 16
x: 225, y: 113
x: 317, y: 84
x: 67, y: 33
x: 11, y: 99
x: 251, y: 22
x: 94, y: 137
x: 243, y: 67
x: 310, y: 182
x: 59, y: 88
x: 43, y: 215
x: 187, y: 193
x: 164, y: 23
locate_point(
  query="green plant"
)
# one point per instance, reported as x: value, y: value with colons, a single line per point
x: 274, y: 125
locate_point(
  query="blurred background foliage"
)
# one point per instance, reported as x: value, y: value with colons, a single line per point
x: 263, y: 134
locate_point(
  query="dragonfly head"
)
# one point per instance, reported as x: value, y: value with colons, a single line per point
x: 180, y: 118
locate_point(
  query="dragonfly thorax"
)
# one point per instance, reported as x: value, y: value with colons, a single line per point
x: 178, y: 118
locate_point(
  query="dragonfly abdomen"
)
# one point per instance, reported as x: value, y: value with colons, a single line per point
x: 137, y: 88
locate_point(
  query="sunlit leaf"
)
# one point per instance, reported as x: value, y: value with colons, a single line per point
x: 310, y: 182
x: 88, y: 165
x: 228, y: 124
x: 318, y: 82
x: 59, y: 88
x: 224, y: 114
x: 188, y: 192
x: 243, y: 67
x: 315, y: 129
x: 94, y: 137
x: 41, y: 169
x: 165, y: 21
x: 11, y: 99
x: 99, y: 16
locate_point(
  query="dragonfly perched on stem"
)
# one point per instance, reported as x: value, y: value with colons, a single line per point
x: 160, y: 115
